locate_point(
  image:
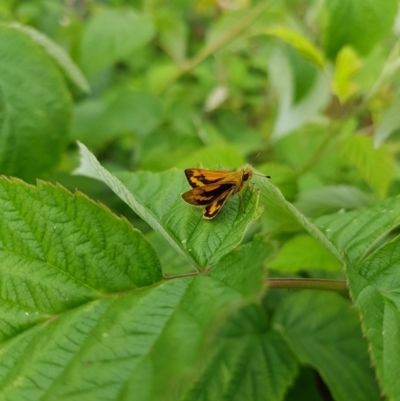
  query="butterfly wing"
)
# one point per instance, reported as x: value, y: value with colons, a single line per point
x: 207, y: 194
x: 198, y: 177
x: 215, y: 207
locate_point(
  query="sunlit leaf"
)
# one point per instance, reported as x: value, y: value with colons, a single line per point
x: 346, y: 66
x: 300, y: 43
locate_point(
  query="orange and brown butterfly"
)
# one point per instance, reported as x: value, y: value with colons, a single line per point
x: 213, y: 188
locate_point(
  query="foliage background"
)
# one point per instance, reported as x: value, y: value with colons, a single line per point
x: 150, y: 86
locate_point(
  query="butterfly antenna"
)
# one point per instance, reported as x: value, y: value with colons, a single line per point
x: 255, y: 157
x: 265, y: 176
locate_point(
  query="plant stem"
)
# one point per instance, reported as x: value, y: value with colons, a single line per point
x: 317, y: 156
x: 307, y: 283
x: 196, y: 273
x: 206, y: 51
x: 291, y: 283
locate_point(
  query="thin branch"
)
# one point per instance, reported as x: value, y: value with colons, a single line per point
x: 207, y: 51
x: 182, y: 275
x: 307, y: 283
x: 318, y: 155
x: 289, y: 283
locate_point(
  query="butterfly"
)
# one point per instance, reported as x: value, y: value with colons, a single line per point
x: 213, y: 188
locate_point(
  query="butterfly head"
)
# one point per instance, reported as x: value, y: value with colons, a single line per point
x: 247, y: 174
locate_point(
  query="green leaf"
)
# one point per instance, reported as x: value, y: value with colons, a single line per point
x: 375, y: 289
x: 387, y: 72
x: 347, y: 65
x: 155, y: 197
x: 86, y: 125
x: 360, y: 24
x: 298, y: 42
x: 58, y: 54
x: 303, y: 252
x: 111, y: 36
x: 242, y: 268
x: 293, y: 115
x: 388, y: 123
x: 80, y: 300
x: 172, y: 262
x: 304, y: 74
x: 283, y: 177
x: 173, y: 34
x: 329, y: 339
x: 279, y: 213
x: 381, y: 270
x: 251, y: 362
x: 331, y: 199
x: 373, y: 279
x: 370, y: 78
x: 54, y: 254
x: 139, y: 344
x: 35, y: 107
x: 237, y: 277
x: 375, y: 165
x: 355, y: 233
